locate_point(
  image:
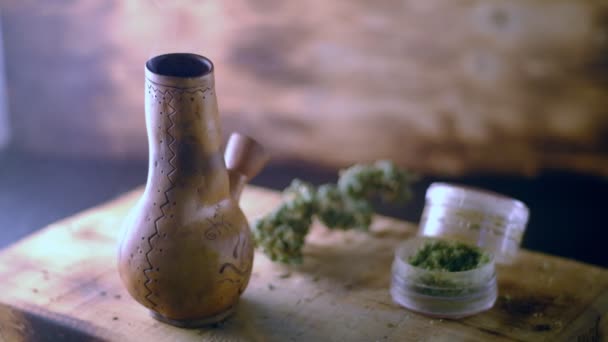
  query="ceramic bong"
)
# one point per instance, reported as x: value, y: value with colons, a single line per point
x: 186, y: 253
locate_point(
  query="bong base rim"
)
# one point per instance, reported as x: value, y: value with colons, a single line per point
x: 195, y: 323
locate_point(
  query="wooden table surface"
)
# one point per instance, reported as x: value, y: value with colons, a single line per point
x: 66, y: 273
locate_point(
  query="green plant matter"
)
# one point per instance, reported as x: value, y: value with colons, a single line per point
x: 449, y: 256
x: 345, y: 205
x: 445, y: 257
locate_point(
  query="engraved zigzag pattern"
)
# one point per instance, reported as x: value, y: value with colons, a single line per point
x: 171, y: 161
x: 170, y: 144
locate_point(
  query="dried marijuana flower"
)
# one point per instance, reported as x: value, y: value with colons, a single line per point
x: 345, y: 205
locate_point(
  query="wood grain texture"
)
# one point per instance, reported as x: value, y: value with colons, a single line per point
x: 340, y: 293
x: 440, y: 86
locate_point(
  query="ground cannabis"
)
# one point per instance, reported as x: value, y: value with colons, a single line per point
x: 441, y: 258
x: 449, y: 256
x: 345, y: 205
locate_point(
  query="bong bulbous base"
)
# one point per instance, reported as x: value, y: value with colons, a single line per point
x: 195, y: 323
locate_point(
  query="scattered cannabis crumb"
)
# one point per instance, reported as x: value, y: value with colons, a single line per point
x: 345, y: 205
x: 271, y: 287
x: 506, y: 297
x: 449, y: 256
x: 285, y: 275
x: 390, y: 325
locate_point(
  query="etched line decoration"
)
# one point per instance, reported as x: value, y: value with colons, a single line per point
x: 216, y: 224
x: 171, y: 139
x: 236, y: 270
x: 172, y: 93
x: 230, y: 266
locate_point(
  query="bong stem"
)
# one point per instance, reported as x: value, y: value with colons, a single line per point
x: 244, y: 158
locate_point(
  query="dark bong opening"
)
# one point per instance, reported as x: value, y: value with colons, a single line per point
x: 180, y: 65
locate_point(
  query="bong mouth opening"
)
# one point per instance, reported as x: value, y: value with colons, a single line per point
x: 180, y: 65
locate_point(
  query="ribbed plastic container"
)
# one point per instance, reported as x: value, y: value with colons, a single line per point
x: 486, y: 219
x: 441, y: 294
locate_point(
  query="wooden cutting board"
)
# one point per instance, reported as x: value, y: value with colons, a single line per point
x: 66, y: 274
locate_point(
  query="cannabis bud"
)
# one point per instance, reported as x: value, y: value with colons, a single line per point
x: 345, y: 205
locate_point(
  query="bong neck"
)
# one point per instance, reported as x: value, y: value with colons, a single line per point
x: 184, y: 133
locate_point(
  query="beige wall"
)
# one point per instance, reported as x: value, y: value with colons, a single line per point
x: 440, y: 86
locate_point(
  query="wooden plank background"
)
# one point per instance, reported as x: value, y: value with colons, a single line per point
x: 440, y: 86
x: 67, y: 272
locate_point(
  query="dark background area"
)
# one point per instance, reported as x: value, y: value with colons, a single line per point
x: 567, y: 209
